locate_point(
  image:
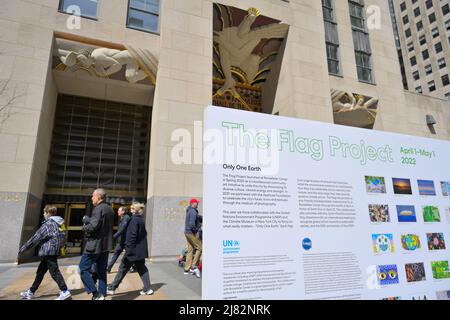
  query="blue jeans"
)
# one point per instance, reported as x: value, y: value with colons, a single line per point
x: 86, y: 262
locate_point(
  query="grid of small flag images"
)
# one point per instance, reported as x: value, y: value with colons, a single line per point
x: 404, y: 213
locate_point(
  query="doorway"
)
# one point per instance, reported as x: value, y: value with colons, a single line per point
x: 73, y: 214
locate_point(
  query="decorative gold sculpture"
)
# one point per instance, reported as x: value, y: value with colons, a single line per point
x: 235, y: 46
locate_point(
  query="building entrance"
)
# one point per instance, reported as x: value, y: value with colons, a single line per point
x: 96, y: 144
x: 73, y: 214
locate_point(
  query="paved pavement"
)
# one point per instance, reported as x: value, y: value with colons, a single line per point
x: 168, y: 282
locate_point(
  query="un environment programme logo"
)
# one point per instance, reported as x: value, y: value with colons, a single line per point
x: 231, y: 246
x: 74, y: 20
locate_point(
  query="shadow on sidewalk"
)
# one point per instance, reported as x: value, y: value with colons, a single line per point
x: 157, y: 286
x: 73, y: 292
x: 132, y: 295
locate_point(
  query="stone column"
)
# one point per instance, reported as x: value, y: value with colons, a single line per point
x: 183, y: 90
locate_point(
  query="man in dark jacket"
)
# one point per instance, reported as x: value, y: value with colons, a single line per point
x: 120, y: 235
x: 191, y: 228
x: 136, y: 251
x: 98, y: 229
x: 48, y: 238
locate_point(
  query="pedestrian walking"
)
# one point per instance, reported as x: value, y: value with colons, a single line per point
x: 120, y: 236
x: 50, y: 240
x: 191, y: 229
x: 98, y: 229
x: 136, y: 251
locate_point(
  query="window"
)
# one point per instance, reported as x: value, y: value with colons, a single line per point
x: 432, y: 18
x: 357, y: 15
x: 405, y: 19
x: 361, y: 41
x: 429, y: 4
x: 86, y: 8
x: 435, y: 32
x: 425, y: 54
x: 416, y: 12
x: 441, y: 63
x: 438, y: 47
x: 447, y: 25
x: 144, y: 15
x: 422, y: 40
x: 419, y: 89
x: 428, y: 69
x: 97, y: 142
x: 445, y: 9
x: 419, y: 26
x: 333, y: 59
x: 328, y: 10
x: 364, y: 67
x: 445, y: 80
x: 331, y: 37
x: 431, y: 86
x: 447, y: 95
x: 403, y: 6
x: 413, y: 61
x: 416, y: 75
x: 408, y: 33
x: 410, y: 47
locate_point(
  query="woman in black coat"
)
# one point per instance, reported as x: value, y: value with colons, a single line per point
x: 136, y: 251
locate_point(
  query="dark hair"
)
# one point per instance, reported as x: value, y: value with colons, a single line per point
x: 125, y: 210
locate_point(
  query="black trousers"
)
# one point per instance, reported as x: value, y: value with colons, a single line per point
x: 49, y: 263
x: 125, y: 266
x: 117, y: 251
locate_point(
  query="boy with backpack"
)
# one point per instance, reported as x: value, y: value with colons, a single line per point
x: 50, y: 238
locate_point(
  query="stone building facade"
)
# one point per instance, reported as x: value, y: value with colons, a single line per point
x: 38, y: 163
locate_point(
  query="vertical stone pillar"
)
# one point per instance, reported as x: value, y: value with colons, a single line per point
x: 183, y: 90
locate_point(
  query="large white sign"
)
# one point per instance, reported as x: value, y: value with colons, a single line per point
x: 297, y: 209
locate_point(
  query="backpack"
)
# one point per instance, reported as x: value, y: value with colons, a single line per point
x: 62, y: 239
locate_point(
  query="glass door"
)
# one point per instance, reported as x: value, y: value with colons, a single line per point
x: 74, y: 224
x: 60, y: 210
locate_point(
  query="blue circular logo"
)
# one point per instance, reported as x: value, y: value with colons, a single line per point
x: 307, y: 244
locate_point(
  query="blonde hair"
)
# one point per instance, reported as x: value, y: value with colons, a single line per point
x: 139, y: 207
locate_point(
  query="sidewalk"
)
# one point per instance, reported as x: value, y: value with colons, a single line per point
x: 168, y: 282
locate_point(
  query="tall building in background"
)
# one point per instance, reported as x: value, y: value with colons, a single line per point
x: 423, y: 31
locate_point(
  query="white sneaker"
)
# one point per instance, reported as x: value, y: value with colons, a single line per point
x: 98, y: 296
x: 63, y: 295
x: 193, y: 271
x: 146, y: 293
x: 110, y: 292
x: 27, y: 295
x: 198, y: 273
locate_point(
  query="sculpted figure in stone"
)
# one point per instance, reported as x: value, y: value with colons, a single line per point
x: 354, y: 102
x: 105, y: 62
x: 236, y: 45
